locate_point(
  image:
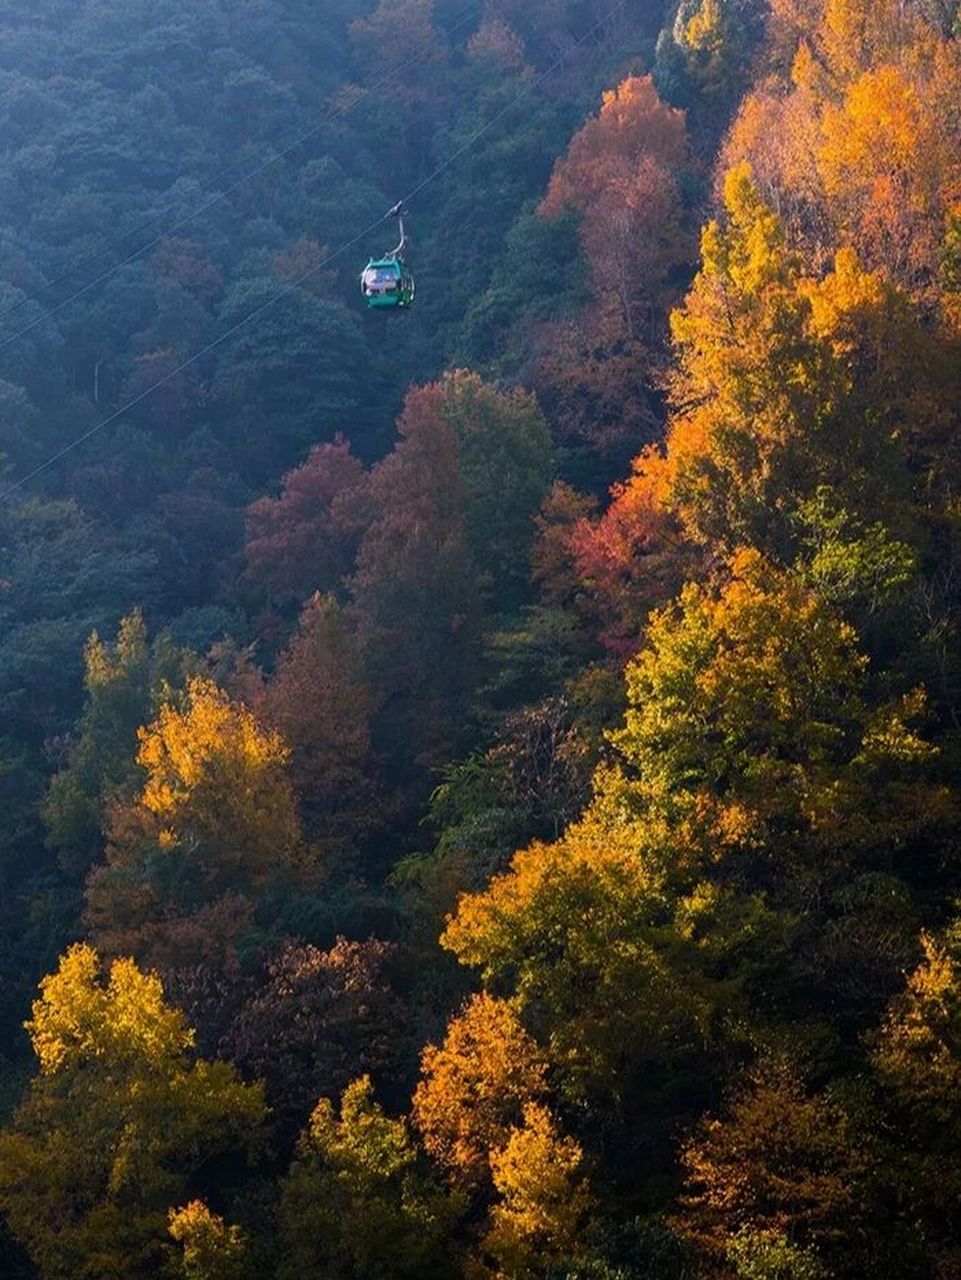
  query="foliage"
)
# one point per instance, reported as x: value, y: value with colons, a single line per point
x: 704, y: 57
x: 540, y: 1214
x: 414, y: 593
x: 783, y: 1163
x: 318, y: 702
x: 747, y: 742
x: 355, y: 1201
x: 475, y: 1085
x: 117, y: 1123
x: 216, y: 812
x: 598, y: 615
x: 123, y: 683
x: 776, y: 391
x: 303, y: 541
x: 596, y: 913
x: 211, y: 1249
x: 916, y: 1059
x: 863, y: 112
x: 315, y: 1021
x: 621, y: 175
x: 504, y: 450
x: 772, y: 1257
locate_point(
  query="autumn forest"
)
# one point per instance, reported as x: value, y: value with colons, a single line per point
x: 480, y: 783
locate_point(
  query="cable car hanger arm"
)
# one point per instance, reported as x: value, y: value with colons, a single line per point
x: 398, y: 213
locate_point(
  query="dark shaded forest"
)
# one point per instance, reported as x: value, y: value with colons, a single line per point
x: 480, y: 783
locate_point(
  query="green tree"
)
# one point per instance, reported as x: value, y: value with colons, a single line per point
x: 749, y: 725
x: 289, y: 367
x: 65, y: 576
x: 577, y: 930
x: 704, y: 57
x: 415, y: 593
x: 770, y: 1256
x: 123, y: 681
x: 504, y: 450
x: 356, y: 1202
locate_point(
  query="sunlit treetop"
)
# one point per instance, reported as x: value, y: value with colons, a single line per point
x: 119, y: 1123
x: 750, y: 725
x: 632, y: 124
x: 211, y: 1250
x: 217, y: 778
x: 857, y: 139
x: 80, y: 1017
x: 785, y: 382
x: 474, y: 1086
x: 544, y: 1199
x: 357, y: 1202
x: 918, y: 1053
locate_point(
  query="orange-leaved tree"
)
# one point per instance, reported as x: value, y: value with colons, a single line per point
x: 621, y: 175
x: 474, y: 1087
x: 784, y: 1164
x: 319, y: 702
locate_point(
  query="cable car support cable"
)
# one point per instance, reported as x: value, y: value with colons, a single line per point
x: 215, y: 200
x: 532, y: 84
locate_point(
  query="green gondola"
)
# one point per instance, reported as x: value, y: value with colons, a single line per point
x: 386, y: 283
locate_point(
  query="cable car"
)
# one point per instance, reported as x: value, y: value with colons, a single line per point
x: 387, y: 283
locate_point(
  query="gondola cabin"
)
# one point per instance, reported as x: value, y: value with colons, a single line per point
x: 387, y: 283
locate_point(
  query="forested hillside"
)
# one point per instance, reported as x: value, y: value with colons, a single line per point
x: 480, y: 783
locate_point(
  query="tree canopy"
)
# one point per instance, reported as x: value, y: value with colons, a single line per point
x: 480, y: 780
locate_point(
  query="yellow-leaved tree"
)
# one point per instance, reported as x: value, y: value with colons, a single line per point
x: 577, y: 930
x: 216, y: 783
x: 544, y: 1201
x: 120, y: 1120
x: 216, y: 813
x: 917, y: 1057
x: 785, y: 383
x: 211, y: 1250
